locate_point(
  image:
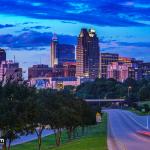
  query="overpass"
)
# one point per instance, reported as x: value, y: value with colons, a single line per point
x: 104, y: 101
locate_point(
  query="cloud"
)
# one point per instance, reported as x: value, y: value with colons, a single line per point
x: 138, y: 50
x: 40, y: 27
x: 34, y: 27
x: 25, y: 23
x: 136, y: 44
x: 101, y: 12
x: 6, y: 26
x: 114, y: 44
x: 70, y: 22
x: 33, y: 39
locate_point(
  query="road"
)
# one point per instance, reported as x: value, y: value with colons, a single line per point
x: 124, y: 128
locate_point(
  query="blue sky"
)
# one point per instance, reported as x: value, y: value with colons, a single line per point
x: 26, y: 26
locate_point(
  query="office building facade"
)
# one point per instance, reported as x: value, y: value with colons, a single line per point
x: 53, y: 52
x: 39, y: 71
x: 2, y: 55
x: 87, y: 54
x: 65, y: 53
x: 105, y: 60
x: 69, y: 69
x: 61, y: 53
x: 118, y: 71
x: 146, y: 70
x: 10, y: 70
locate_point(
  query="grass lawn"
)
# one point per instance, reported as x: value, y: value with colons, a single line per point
x: 95, y: 139
x: 145, y: 102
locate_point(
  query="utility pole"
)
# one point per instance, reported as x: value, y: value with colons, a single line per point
x: 99, y: 102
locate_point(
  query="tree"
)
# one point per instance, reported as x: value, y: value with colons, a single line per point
x: 69, y: 89
x: 146, y: 107
x: 56, y: 117
x: 144, y: 92
x: 72, y: 116
x: 43, y: 110
x: 101, y: 88
x: 12, y: 111
x: 34, y: 110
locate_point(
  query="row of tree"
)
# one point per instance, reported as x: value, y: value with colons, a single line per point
x: 24, y: 110
x: 130, y: 89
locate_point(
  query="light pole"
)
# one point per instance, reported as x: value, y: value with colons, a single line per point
x: 99, y: 102
x: 147, y: 120
x: 129, y: 88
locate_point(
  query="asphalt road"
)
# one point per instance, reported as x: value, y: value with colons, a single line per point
x: 124, y: 128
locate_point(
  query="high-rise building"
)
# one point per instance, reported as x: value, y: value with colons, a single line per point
x: 53, y: 55
x: 39, y: 71
x: 125, y: 59
x: 61, y: 53
x: 146, y: 70
x: 2, y: 55
x: 118, y: 71
x: 105, y: 60
x: 135, y: 70
x: 87, y: 54
x: 125, y: 68
x: 65, y: 53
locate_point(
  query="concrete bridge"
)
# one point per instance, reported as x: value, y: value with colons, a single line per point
x: 104, y: 101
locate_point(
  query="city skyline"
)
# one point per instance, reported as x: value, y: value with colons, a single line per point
x: 75, y: 74
x: 124, y: 29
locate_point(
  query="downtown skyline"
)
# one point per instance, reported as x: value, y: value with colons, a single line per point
x: 124, y: 29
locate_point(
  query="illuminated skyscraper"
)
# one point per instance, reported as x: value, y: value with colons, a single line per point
x: 53, y: 56
x: 61, y: 53
x: 65, y: 53
x: 87, y: 54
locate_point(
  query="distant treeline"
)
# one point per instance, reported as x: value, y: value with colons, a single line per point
x: 130, y: 89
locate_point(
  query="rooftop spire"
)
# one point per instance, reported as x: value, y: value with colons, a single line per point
x: 54, y: 38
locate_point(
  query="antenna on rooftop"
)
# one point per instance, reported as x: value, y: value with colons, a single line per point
x: 14, y: 58
x: 54, y: 38
x: 40, y: 60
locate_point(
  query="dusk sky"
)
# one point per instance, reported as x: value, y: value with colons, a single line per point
x: 26, y: 26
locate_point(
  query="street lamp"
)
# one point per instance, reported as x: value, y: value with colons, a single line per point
x: 147, y: 120
x: 129, y: 88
